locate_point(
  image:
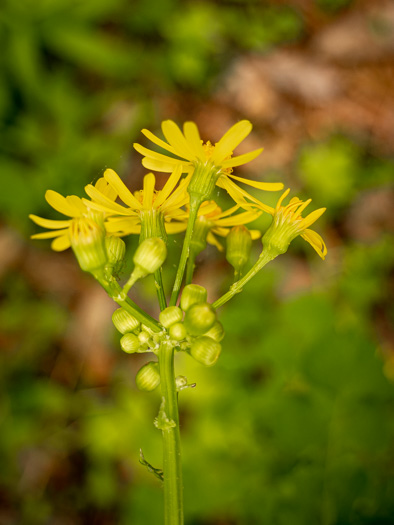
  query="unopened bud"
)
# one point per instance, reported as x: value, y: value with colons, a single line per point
x: 238, y: 246
x: 216, y: 332
x: 143, y: 337
x: 192, y: 294
x: 170, y: 315
x: 87, y: 241
x: 130, y: 343
x: 124, y: 322
x: 199, y: 318
x: 116, y: 249
x: 148, y: 377
x: 150, y: 255
x: 205, y: 350
x: 178, y: 331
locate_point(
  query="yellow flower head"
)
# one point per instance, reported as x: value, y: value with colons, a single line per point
x: 71, y: 206
x: 288, y: 223
x: 127, y: 219
x: 187, y: 149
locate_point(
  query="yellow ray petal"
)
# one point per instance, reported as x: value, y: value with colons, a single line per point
x: 125, y: 226
x: 158, y: 141
x: 156, y: 156
x: 164, y: 167
x: 255, y: 234
x: 148, y: 192
x: 103, y: 187
x: 316, y: 242
x: 230, y: 211
x: 266, y: 186
x: 60, y: 203
x: 281, y: 199
x: 77, y: 203
x: 122, y: 190
x: 241, y: 218
x: 230, y: 140
x: 241, y: 159
x: 101, y: 203
x: 240, y: 195
x: 169, y: 186
x: 49, y: 235
x: 312, y: 217
x: 61, y: 243
x: 223, y: 232
x: 212, y: 240
x: 175, y: 137
x: 48, y: 223
x: 192, y: 136
x: 175, y: 227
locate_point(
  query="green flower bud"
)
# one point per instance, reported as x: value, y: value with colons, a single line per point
x: 170, y: 315
x: 192, y: 294
x: 180, y: 382
x: 124, y: 322
x: 130, y: 343
x: 150, y: 255
x: 238, y: 246
x: 148, y: 377
x: 199, y: 318
x: 178, y: 331
x: 143, y: 337
x: 116, y: 249
x: 205, y: 350
x: 87, y: 238
x: 216, y: 332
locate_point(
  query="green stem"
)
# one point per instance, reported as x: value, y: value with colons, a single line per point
x: 195, y: 203
x: 265, y: 257
x: 160, y: 289
x: 119, y: 296
x: 169, y: 419
x: 190, y: 267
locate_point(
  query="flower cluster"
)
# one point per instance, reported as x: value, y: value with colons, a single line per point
x: 94, y: 225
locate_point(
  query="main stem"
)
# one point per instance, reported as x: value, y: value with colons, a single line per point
x: 194, y: 206
x: 172, y: 466
x: 265, y: 257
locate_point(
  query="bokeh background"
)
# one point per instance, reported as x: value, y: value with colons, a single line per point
x: 295, y: 424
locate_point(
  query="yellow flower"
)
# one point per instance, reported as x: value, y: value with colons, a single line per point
x: 213, y: 222
x: 193, y: 153
x: 71, y: 206
x: 144, y: 203
x: 288, y: 223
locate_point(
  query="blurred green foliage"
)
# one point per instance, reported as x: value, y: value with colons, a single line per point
x: 295, y: 423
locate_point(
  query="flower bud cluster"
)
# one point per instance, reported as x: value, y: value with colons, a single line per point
x: 193, y: 326
x: 137, y: 338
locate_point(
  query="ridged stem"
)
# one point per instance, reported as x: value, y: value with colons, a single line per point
x: 169, y: 424
x: 265, y: 257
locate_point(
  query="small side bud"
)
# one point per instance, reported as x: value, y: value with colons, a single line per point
x: 199, y: 318
x: 148, y: 377
x: 192, y: 294
x: 116, y: 250
x: 87, y: 238
x: 216, y: 332
x: 150, y: 255
x: 144, y: 337
x: 124, y: 322
x: 178, y: 331
x: 170, y: 316
x: 205, y: 350
x: 238, y: 246
x: 130, y: 343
